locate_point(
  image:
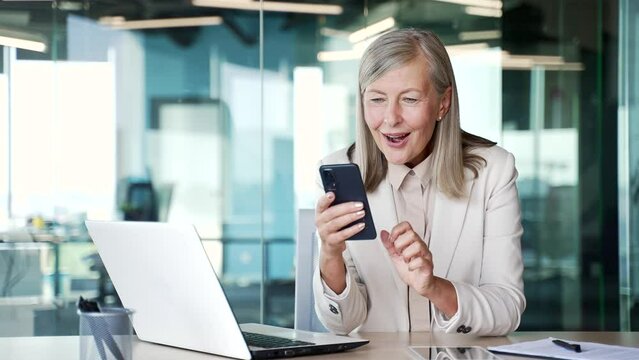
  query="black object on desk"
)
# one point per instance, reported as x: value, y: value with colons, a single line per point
x: 99, y: 329
x: 567, y: 345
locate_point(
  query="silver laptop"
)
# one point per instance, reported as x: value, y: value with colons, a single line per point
x: 163, y: 274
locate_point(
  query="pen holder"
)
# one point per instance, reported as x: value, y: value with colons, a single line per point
x: 106, y: 335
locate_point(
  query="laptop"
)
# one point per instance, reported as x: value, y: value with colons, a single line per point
x: 162, y: 273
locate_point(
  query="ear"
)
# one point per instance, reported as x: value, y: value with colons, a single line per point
x: 444, y: 103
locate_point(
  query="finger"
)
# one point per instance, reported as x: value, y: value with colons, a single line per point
x: 335, y: 211
x: 385, y: 236
x: 323, y: 219
x: 400, y: 229
x: 396, y: 232
x: 324, y: 202
x: 416, y: 249
x: 343, y: 235
x: 387, y: 242
x: 406, y: 239
x: 338, y: 223
x: 420, y: 263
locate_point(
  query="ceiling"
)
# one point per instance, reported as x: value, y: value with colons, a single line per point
x: 33, y: 13
x: 447, y: 19
x: 41, y: 16
x: 30, y: 13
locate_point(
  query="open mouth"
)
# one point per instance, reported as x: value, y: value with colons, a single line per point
x: 396, y: 138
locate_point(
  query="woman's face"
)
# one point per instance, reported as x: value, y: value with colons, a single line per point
x: 401, y: 109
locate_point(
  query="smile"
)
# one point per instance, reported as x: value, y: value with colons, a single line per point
x: 396, y: 139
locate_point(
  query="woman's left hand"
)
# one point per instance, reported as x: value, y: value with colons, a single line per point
x: 411, y: 257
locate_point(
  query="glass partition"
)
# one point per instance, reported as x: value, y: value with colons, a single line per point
x: 628, y: 165
x: 120, y: 119
x: 218, y: 116
x: 4, y: 139
x: 531, y: 78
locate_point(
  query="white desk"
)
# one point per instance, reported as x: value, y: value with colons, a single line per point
x: 383, y: 346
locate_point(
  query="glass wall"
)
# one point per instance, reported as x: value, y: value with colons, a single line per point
x: 221, y: 120
x: 629, y: 164
x: 541, y: 84
x: 555, y: 88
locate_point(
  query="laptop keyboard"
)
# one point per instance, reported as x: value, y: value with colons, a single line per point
x: 268, y: 341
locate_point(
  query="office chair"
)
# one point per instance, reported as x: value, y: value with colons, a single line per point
x: 140, y: 203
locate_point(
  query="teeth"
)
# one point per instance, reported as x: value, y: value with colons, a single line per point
x: 396, y: 138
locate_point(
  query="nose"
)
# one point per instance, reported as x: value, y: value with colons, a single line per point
x: 393, y: 115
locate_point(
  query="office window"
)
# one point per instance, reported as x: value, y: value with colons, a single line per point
x: 63, y: 139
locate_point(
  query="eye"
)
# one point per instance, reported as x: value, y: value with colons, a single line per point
x: 410, y: 100
x: 377, y: 100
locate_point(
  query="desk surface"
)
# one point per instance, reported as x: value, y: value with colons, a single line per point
x: 382, y: 346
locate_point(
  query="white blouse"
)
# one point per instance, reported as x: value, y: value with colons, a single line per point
x: 414, y: 202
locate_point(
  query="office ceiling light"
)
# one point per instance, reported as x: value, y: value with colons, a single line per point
x: 480, y: 11
x: 23, y: 44
x: 23, y: 40
x: 479, y: 35
x: 461, y: 48
x: 362, y: 45
x: 341, y: 55
x: 371, y: 30
x: 489, y: 4
x: 276, y: 6
x: 527, y: 62
x: 330, y: 32
x: 344, y: 55
x: 70, y: 5
x: 118, y: 22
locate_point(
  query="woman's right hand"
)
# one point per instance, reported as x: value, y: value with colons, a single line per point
x: 330, y: 222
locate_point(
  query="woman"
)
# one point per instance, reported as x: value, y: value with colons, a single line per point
x: 445, y: 203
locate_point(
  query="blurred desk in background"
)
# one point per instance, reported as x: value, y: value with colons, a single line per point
x: 48, y: 275
x: 56, y: 241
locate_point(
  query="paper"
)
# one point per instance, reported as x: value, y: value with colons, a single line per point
x: 589, y: 350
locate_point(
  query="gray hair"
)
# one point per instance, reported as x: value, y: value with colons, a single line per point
x: 451, y: 145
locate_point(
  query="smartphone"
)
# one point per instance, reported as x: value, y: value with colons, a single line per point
x: 345, y: 181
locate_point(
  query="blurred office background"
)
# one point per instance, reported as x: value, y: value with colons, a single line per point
x: 216, y: 112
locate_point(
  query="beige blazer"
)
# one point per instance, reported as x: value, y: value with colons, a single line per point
x: 475, y: 242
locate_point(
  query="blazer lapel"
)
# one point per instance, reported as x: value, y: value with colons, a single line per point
x: 448, y: 220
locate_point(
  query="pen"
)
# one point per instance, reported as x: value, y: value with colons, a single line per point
x: 567, y: 346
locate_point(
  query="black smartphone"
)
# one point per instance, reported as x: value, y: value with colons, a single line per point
x: 345, y: 181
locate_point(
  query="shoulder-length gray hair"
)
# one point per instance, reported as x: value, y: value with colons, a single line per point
x: 451, y: 145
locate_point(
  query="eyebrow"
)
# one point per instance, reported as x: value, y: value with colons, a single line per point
x: 383, y: 93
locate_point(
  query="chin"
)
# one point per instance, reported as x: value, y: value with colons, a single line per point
x: 397, y: 160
